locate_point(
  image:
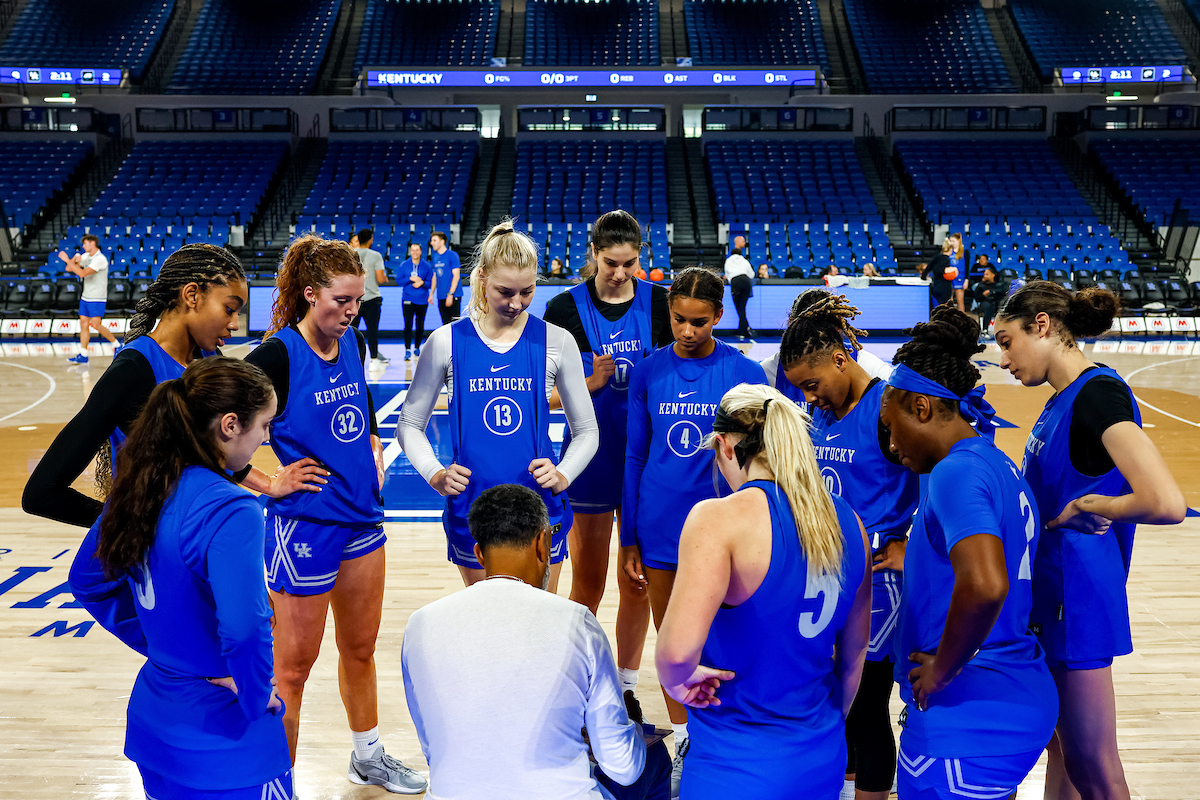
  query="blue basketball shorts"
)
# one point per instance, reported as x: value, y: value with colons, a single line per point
x: 304, y: 557
x: 158, y: 787
x: 959, y: 283
x: 460, y: 544
x: 886, y: 586
x: 987, y: 778
x: 92, y: 308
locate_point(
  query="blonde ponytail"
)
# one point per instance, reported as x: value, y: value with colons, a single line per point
x: 504, y: 246
x: 779, y: 430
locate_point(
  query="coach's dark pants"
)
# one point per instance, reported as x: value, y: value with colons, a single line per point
x: 741, y: 287
x: 655, y: 780
x: 369, y: 311
x: 451, y: 313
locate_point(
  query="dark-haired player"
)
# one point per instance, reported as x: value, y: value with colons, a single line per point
x: 980, y: 702
x: 673, y: 398
x: 1095, y: 475
x: 856, y: 464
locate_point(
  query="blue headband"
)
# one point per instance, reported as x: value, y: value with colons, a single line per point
x: 971, y: 405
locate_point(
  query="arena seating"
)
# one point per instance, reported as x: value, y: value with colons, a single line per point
x: 922, y: 46
x: 1012, y: 200
x: 169, y: 193
x: 581, y: 33
x: 571, y: 180
x: 804, y: 204
x: 402, y: 189
x: 1100, y: 33
x: 401, y: 33
x: 774, y: 32
x: 264, y: 47
x: 1155, y: 173
x: 571, y: 241
x: 31, y: 172
x: 77, y: 33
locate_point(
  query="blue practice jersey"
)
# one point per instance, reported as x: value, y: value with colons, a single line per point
x: 500, y: 400
x: 197, y: 608
x: 165, y: 369
x: 779, y: 725
x: 444, y: 265
x: 672, y: 403
x: 854, y: 466
x: 1004, y: 701
x: 788, y: 389
x: 326, y: 419
x: 423, y: 270
x: 628, y: 340
x: 1079, y: 578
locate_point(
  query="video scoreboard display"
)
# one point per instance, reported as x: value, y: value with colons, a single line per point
x: 1142, y: 74
x: 87, y: 76
x: 589, y: 78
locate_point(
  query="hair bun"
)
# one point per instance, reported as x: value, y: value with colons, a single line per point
x: 952, y: 331
x: 1090, y: 312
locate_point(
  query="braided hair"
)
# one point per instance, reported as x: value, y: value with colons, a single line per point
x: 941, y: 350
x: 819, y: 323
x: 203, y: 264
x: 698, y: 283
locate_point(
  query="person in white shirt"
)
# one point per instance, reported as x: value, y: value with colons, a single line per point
x: 740, y: 276
x: 372, y: 303
x: 502, y: 678
x: 92, y: 267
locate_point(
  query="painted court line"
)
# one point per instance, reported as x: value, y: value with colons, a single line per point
x: 37, y: 402
x: 1129, y: 379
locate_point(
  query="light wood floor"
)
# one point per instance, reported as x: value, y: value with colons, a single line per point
x: 62, y: 700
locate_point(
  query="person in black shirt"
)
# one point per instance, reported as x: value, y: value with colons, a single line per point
x: 941, y: 288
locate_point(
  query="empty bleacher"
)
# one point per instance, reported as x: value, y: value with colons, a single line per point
x: 774, y: 32
x: 268, y: 47
x: 399, y: 33
x: 166, y: 194
x: 571, y: 242
x: 79, y: 33
x: 1014, y: 201
x: 402, y: 189
x: 1096, y: 33
x: 30, y: 174
x: 1154, y: 174
x: 923, y: 46
x: 614, y: 33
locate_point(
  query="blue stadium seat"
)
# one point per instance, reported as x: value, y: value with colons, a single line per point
x: 78, y: 33
x: 776, y: 32
x: 30, y: 174
x: 614, y: 33
x: 1154, y: 174
x: 927, y: 46
x: 572, y: 180
x: 270, y: 47
x: 401, y: 33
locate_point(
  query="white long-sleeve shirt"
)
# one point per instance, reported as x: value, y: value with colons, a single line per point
x: 500, y: 679
x: 564, y: 369
x: 737, y: 265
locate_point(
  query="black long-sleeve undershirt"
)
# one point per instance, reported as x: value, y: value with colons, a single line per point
x: 562, y: 311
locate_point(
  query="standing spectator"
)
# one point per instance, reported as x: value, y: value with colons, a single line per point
x: 92, y: 267
x: 958, y: 263
x: 988, y: 294
x: 740, y: 276
x: 938, y: 272
x: 503, y: 678
x: 739, y: 244
x: 418, y: 293
x: 372, y: 302
x: 447, y: 269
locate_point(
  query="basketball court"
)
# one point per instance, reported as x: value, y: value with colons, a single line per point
x: 62, y: 707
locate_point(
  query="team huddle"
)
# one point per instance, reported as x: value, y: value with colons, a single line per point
x: 803, y: 532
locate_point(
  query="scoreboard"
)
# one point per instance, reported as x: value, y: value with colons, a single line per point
x: 589, y: 78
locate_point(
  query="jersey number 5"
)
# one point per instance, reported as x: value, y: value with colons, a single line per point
x: 825, y: 588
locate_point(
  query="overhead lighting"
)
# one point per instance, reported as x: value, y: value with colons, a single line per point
x: 64, y: 99
x: 1121, y: 98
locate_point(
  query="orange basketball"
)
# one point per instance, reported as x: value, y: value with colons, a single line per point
x: 656, y: 274
x: 950, y: 273
x: 641, y: 273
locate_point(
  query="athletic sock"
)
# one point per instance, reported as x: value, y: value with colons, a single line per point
x: 847, y: 792
x: 366, y: 744
x: 628, y: 678
x: 680, y: 732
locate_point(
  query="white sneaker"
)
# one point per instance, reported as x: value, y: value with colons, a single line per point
x: 387, y: 772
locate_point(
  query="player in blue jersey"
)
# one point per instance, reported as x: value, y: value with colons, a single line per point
x: 173, y: 568
x: 1096, y: 474
x: 769, y: 620
x: 500, y: 365
x: 857, y: 465
x: 447, y: 274
x: 980, y: 704
x: 875, y: 366
x: 673, y: 398
x: 958, y: 262
x: 187, y: 312
x: 325, y: 545
x: 417, y: 277
x: 617, y: 320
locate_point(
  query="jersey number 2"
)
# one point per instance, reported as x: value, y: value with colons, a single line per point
x: 1025, y: 573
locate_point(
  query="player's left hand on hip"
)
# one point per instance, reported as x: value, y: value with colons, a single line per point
x: 1079, y: 515
x: 546, y: 473
x: 890, y: 557
x: 924, y: 678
